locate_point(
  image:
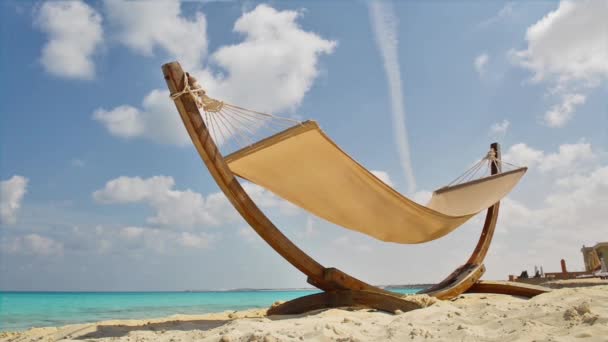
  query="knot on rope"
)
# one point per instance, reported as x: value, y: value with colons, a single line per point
x: 491, y: 155
x: 230, y: 127
x: 192, y: 87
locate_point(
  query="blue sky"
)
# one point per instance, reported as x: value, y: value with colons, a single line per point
x: 101, y: 189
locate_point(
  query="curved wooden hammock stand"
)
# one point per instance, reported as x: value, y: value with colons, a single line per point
x: 339, y: 288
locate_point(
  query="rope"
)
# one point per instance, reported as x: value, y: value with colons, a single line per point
x: 199, y: 95
x: 187, y: 90
x: 229, y: 124
x: 488, y: 160
x: 462, y: 178
x: 264, y: 114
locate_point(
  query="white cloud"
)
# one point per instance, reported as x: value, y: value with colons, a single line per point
x: 156, y: 121
x: 195, y: 240
x: 560, y: 114
x: 480, y: 63
x: 132, y: 232
x: 32, y: 244
x: 75, y: 32
x: 505, y: 12
x: 570, y: 158
x: 12, y: 191
x: 383, y: 176
x: 144, y: 26
x: 133, y: 189
x: 575, y: 203
x: 514, y: 213
x: 384, y: 25
x: 309, y: 230
x: 104, y: 246
x: 175, y: 208
x: 500, y: 128
x: 248, y: 234
x: 137, y: 241
x: 568, y: 49
x: 345, y: 240
x: 180, y: 208
x: 122, y: 121
x: 264, y: 199
x: 422, y: 196
x: 569, y: 43
x: 522, y: 154
x: 156, y: 240
x: 275, y: 52
x: 77, y: 162
x: 580, y: 201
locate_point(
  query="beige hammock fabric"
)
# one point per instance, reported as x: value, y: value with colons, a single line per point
x: 305, y: 167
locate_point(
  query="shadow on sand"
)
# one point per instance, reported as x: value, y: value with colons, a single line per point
x: 123, y: 330
x: 120, y: 330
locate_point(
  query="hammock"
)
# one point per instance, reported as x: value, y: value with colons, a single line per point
x: 304, y: 166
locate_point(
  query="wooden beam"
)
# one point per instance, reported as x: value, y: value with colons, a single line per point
x: 345, y: 298
x: 457, y: 282
x: 345, y: 281
x: 487, y: 233
x: 508, y: 288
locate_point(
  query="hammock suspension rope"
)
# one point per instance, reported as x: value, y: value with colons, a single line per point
x: 234, y: 128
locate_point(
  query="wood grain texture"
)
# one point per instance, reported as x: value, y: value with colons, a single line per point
x: 344, y: 298
x: 487, y: 233
x: 457, y: 282
x: 508, y: 288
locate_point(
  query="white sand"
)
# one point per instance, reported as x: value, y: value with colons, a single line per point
x: 585, y: 282
x: 572, y: 314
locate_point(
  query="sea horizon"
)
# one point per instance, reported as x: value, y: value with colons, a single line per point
x: 244, y: 289
x: 21, y: 310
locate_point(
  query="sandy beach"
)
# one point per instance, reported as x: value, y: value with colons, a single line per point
x: 219, y: 170
x: 562, y: 315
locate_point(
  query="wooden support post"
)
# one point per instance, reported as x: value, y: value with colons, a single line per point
x: 345, y: 298
x: 466, y: 275
x: 487, y: 233
x: 507, y: 288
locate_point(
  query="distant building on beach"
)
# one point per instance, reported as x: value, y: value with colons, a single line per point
x: 593, y: 256
x: 595, y: 259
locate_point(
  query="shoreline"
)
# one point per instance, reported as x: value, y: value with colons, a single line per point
x: 287, y: 289
x: 562, y: 314
x: 20, y: 311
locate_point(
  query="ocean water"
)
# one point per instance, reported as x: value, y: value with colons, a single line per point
x: 23, y: 310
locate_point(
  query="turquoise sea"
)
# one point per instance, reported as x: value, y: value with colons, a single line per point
x: 23, y: 310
